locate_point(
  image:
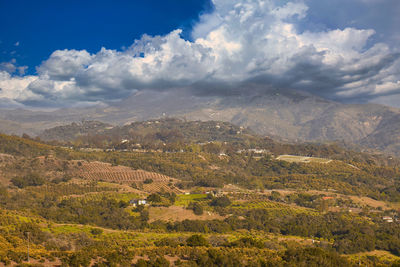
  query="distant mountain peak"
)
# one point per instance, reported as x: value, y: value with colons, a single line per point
x: 284, y: 113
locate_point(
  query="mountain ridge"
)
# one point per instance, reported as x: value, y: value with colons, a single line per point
x: 284, y: 114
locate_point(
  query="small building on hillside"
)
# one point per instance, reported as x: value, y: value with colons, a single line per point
x: 215, y: 193
x: 387, y: 219
x: 138, y: 202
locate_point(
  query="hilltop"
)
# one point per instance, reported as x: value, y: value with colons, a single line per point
x: 168, y: 130
x: 285, y: 114
x: 173, y: 134
x: 74, y: 130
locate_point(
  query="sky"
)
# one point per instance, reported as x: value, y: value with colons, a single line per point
x: 79, y: 53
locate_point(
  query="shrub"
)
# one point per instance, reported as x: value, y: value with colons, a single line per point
x: 31, y: 179
x: 197, y: 209
x: 154, y: 198
x: 148, y: 181
x: 246, y: 242
x: 196, y: 241
x: 96, y: 231
x: 167, y: 242
x: 223, y: 201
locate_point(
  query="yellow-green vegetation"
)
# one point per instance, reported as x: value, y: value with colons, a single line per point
x: 244, y: 244
x: 379, y: 256
x: 357, y: 178
x: 272, y: 206
x: 184, y: 200
x: 126, y: 197
x: 73, y: 220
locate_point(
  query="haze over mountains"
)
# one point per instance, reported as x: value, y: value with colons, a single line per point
x: 283, y: 114
x: 200, y: 133
x: 223, y: 69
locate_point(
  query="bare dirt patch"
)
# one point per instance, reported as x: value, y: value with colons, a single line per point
x: 371, y: 202
x: 301, y: 159
x: 176, y: 213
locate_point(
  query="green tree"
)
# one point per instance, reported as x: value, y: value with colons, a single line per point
x: 197, y: 209
x: 32, y: 179
x: 196, y: 241
x: 223, y: 201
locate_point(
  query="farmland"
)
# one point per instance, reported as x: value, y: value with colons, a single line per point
x: 100, y: 171
x: 147, y: 181
x: 184, y: 200
x: 301, y: 159
x: 194, y: 207
x: 271, y: 206
x: 178, y: 213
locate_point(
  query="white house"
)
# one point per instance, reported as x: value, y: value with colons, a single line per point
x: 138, y: 202
x: 387, y: 219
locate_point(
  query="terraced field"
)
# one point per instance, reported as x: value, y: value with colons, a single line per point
x: 272, y: 206
x: 100, y: 171
x: 107, y: 172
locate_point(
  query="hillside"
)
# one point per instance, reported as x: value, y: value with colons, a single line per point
x: 74, y: 130
x: 214, y: 165
x: 172, y: 130
x: 168, y: 130
x: 173, y: 135
x: 242, y: 207
x: 288, y: 115
x: 385, y: 137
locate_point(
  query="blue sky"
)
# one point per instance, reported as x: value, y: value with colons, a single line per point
x: 66, y: 53
x: 32, y: 30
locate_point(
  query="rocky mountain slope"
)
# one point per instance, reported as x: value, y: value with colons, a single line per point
x: 283, y: 114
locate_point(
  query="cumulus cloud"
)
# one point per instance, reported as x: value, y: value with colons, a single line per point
x: 12, y: 87
x: 64, y: 64
x: 247, y: 40
x: 12, y: 66
x: 8, y: 67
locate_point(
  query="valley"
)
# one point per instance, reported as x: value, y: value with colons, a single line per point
x: 209, y: 193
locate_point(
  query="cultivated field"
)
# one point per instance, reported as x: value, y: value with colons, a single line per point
x: 100, y: 171
x: 282, y: 208
x: 107, y: 172
x: 301, y: 159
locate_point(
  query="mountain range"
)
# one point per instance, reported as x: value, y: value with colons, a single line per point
x: 285, y: 115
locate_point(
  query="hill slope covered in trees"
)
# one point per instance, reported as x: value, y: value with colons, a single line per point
x: 237, y: 204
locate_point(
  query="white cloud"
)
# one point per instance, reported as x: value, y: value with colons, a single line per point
x: 64, y: 64
x: 22, y: 70
x: 8, y: 67
x: 239, y: 41
x: 13, y: 87
x: 12, y: 67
